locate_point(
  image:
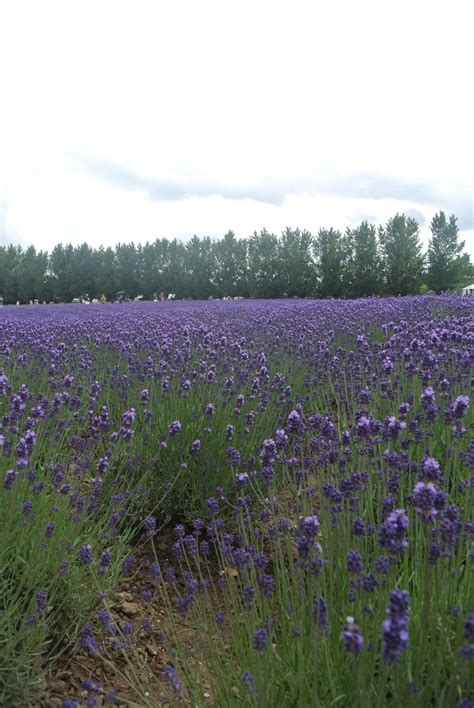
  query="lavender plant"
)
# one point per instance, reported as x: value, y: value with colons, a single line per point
x: 316, y: 457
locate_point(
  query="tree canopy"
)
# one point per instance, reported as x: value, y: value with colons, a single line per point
x: 363, y: 261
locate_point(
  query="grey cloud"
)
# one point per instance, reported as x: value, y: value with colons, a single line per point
x: 372, y: 186
x: 416, y: 214
x: 465, y: 214
x: 356, y: 186
x: 173, y: 190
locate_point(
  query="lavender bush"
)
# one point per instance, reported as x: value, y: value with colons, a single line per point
x: 316, y: 458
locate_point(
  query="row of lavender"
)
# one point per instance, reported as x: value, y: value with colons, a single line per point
x: 316, y: 459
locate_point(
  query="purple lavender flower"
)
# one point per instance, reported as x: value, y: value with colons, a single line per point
x: 460, y: 406
x: 358, y: 527
x: 351, y: 637
x: 382, y: 565
x: 260, y: 640
x: 210, y: 410
x: 320, y: 615
x: 127, y: 628
x: 355, y: 563
x: 103, y: 464
x: 63, y: 568
x: 249, y: 681
x: 468, y: 634
x: 281, y: 438
x: 85, y: 554
x: 171, y: 679
x: 394, y: 531
x: 212, y: 506
x: 155, y: 572
x: 310, y: 526
x: 9, y: 479
x: 128, y: 564
x: 105, y: 559
x: 241, y: 480
x: 41, y: 598
x: 294, y: 423
x: 427, y: 397
x: 260, y: 561
x: 50, y: 528
x: 269, y: 451
x: 87, y: 641
x: 27, y: 507
x: 234, y: 456
x: 147, y: 594
x: 403, y: 409
x: 150, y: 526
x: 267, y: 584
x: 248, y: 594
x: 174, y: 428
x: 431, y: 470
x: 195, y: 447
x: 220, y: 616
x: 395, y: 627
x: 423, y: 499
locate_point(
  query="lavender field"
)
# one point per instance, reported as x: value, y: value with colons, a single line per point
x: 255, y: 503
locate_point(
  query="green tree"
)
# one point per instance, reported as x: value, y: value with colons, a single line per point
x: 173, y: 269
x: 32, y: 272
x: 297, y: 271
x: 83, y: 277
x: 200, y: 268
x: 231, y: 265
x: 127, y: 260
x: 62, y: 277
x: 329, y: 252
x: 402, y: 260
x: 446, y: 263
x: 10, y: 258
x: 264, y: 265
x: 105, y: 273
x: 362, y: 268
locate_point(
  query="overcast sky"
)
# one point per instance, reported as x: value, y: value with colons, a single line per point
x: 132, y: 120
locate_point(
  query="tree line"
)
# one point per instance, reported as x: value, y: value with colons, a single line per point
x: 362, y: 261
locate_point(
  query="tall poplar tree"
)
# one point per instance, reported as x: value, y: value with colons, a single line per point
x: 297, y: 272
x: 402, y: 260
x: 362, y: 270
x: 329, y: 253
x: 445, y: 260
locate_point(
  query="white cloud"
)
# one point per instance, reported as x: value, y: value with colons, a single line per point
x: 237, y: 95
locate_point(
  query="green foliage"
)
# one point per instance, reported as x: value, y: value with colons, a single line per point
x: 362, y: 273
x: 329, y: 252
x: 297, y: 271
x: 364, y: 261
x: 263, y: 257
x: 447, y: 265
x: 231, y: 266
x: 402, y: 260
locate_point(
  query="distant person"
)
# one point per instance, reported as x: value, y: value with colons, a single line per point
x: 103, y: 299
x: 1, y: 300
x: 161, y: 296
